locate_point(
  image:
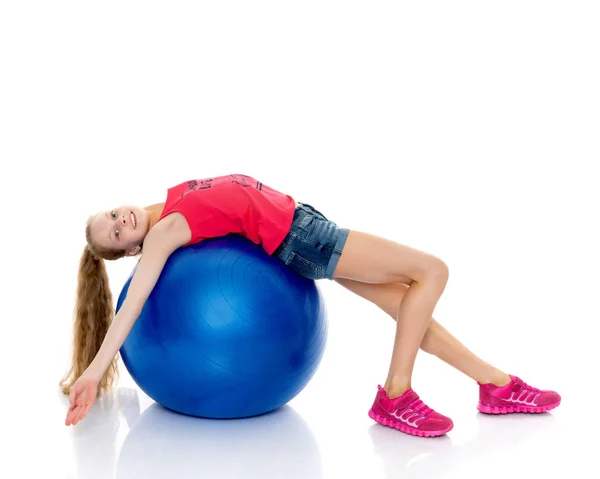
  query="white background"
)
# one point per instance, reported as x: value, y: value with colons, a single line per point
x: 466, y: 129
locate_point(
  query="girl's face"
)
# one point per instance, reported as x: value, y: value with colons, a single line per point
x: 122, y: 228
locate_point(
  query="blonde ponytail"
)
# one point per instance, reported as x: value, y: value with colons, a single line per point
x: 94, y: 312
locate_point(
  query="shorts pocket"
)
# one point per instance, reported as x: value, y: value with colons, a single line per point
x: 306, y: 223
x: 304, y: 267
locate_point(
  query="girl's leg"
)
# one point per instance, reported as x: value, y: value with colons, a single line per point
x: 371, y: 259
x: 437, y: 340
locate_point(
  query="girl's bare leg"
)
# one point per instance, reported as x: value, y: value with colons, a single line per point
x: 437, y: 340
x: 371, y: 259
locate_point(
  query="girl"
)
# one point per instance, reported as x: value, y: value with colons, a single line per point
x: 402, y: 281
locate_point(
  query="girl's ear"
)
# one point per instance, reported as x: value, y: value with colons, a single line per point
x: 133, y: 251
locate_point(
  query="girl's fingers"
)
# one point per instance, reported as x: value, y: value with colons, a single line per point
x: 80, y: 404
x: 71, y: 415
x: 76, y: 418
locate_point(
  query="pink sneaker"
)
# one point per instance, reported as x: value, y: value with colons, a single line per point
x: 516, y: 396
x: 408, y: 414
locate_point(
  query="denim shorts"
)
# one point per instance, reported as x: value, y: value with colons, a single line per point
x: 313, y: 245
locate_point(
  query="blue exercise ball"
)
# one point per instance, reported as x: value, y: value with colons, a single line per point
x: 227, y: 332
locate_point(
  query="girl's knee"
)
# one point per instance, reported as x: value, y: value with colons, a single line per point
x: 437, y: 273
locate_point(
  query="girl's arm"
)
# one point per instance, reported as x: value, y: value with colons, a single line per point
x: 164, y: 238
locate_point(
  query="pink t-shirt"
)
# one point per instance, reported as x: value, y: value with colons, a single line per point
x: 232, y: 204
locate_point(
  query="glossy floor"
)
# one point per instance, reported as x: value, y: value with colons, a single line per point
x: 325, y: 431
x: 128, y: 438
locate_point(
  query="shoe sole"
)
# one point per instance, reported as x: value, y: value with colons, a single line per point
x: 408, y: 430
x: 512, y: 409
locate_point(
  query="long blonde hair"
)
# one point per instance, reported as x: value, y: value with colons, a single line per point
x: 94, y: 312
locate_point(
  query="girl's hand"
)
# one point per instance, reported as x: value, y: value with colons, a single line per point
x: 82, y: 397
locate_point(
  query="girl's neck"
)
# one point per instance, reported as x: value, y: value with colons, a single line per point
x: 154, y: 211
